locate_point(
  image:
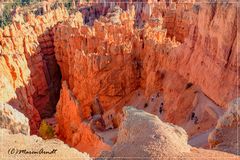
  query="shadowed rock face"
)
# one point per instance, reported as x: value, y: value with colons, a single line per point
x: 30, y: 77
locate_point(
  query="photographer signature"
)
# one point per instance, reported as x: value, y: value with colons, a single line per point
x: 15, y: 151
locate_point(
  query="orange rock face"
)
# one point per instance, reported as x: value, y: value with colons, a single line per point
x: 71, y: 127
x: 179, y: 51
x: 112, y: 59
x: 27, y: 73
x: 100, y: 62
x: 210, y: 50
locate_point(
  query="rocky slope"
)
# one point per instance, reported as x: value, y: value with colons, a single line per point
x: 143, y: 135
x: 14, y: 146
x: 225, y: 136
x: 13, y: 120
x: 16, y: 141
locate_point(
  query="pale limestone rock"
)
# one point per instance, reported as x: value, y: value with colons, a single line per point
x: 13, y: 120
x: 144, y: 136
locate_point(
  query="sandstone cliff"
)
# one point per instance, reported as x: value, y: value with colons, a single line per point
x: 72, y: 128
x: 29, y: 73
x: 113, y: 59
x: 210, y: 50
x: 175, y: 55
x: 100, y: 63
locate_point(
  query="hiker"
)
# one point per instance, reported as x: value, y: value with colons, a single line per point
x: 152, y: 99
x: 192, y: 116
x: 195, y: 120
x: 90, y: 118
x: 160, y: 109
x: 110, y: 117
x: 158, y: 94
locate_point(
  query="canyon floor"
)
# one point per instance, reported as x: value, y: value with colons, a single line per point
x: 120, y: 79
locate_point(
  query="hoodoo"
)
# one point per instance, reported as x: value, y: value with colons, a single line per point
x: 69, y: 69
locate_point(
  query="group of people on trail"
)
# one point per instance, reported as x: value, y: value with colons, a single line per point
x: 152, y: 98
x: 194, y: 118
x: 161, y: 105
x: 161, y: 108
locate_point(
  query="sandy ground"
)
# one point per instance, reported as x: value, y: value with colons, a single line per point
x: 205, y: 109
x: 138, y: 100
x: 108, y: 136
x: 200, y: 140
x: 203, y: 105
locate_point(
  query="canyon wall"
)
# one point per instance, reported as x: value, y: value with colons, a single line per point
x: 98, y: 61
x: 181, y: 51
x: 208, y: 57
x: 112, y: 59
x: 72, y: 128
x: 28, y: 67
x: 203, y: 29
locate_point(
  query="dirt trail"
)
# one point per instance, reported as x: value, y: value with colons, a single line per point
x: 204, y: 104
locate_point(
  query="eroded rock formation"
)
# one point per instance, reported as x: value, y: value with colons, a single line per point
x: 148, y: 59
x: 100, y: 63
x: 29, y: 72
x: 111, y: 60
x: 170, y: 59
x: 71, y: 126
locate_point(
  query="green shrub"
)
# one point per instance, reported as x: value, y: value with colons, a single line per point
x: 45, y: 130
x: 6, y: 17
